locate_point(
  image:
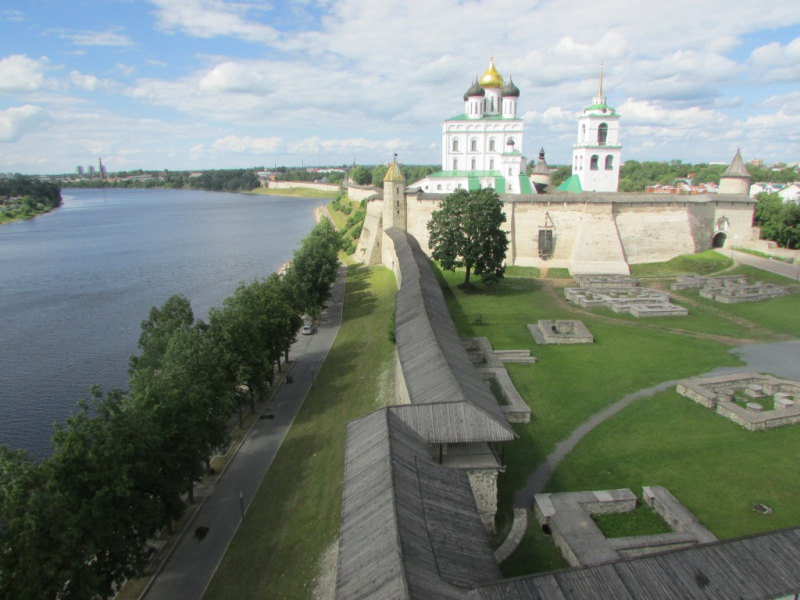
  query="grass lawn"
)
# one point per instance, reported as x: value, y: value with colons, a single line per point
x: 295, y: 515
x: 569, y: 384
x: 704, y: 263
x: 297, y: 191
x: 671, y: 441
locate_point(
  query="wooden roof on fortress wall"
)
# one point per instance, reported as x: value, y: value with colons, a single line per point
x: 410, y: 528
x: 458, y: 405
x: 760, y: 567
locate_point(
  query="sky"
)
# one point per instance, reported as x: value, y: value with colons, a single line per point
x: 203, y: 84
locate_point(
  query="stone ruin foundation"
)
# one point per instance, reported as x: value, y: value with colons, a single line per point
x: 560, y: 332
x: 730, y: 289
x: 752, y: 400
x: 489, y: 363
x: 640, y: 302
x: 567, y: 518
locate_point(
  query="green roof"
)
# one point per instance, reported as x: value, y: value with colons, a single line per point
x: 612, y: 112
x: 572, y: 184
x: 525, y: 186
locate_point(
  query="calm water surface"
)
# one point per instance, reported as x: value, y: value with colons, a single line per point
x: 76, y: 283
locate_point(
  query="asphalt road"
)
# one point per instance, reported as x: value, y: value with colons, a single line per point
x: 774, y: 266
x: 189, y: 569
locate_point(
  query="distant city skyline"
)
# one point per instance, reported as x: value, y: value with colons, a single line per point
x: 201, y: 84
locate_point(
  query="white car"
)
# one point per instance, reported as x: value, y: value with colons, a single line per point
x: 307, y: 330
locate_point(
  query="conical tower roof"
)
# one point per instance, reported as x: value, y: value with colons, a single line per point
x: 737, y: 167
x: 394, y: 173
x: 541, y: 165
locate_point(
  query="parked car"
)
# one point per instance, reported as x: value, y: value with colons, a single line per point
x: 307, y: 330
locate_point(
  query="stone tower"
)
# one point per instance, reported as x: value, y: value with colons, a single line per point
x: 736, y: 180
x: 541, y: 172
x: 596, y: 156
x: 394, y: 198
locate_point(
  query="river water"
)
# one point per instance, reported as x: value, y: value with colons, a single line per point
x: 76, y: 283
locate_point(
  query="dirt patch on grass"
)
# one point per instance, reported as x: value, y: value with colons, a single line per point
x: 325, y: 580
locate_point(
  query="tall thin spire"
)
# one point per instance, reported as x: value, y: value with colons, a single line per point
x: 600, y: 91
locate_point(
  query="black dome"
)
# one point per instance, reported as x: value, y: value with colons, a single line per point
x: 509, y: 89
x: 476, y: 90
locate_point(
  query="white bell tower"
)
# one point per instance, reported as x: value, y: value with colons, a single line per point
x: 596, y: 155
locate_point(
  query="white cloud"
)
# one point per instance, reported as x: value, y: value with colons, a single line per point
x: 85, y: 82
x: 95, y: 38
x: 17, y: 121
x: 19, y: 74
x: 777, y: 63
x: 213, y: 18
x: 247, y: 145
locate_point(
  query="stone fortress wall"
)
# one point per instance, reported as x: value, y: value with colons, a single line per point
x: 592, y: 232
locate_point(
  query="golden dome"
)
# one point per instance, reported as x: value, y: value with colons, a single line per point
x: 491, y: 79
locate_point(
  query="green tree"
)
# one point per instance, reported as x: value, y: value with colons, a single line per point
x: 314, y: 267
x: 104, y: 485
x: 378, y: 173
x: 466, y: 232
x: 157, y: 330
x: 361, y: 175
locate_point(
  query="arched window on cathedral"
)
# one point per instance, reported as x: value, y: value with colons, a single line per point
x: 609, y: 163
x: 602, y: 134
x: 595, y: 160
x: 455, y: 145
x: 455, y: 164
x: 473, y: 145
x: 580, y: 164
x: 473, y: 164
x: 575, y: 165
x: 491, y: 164
x: 583, y: 133
x: 491, y: 145
x: 492, y: 105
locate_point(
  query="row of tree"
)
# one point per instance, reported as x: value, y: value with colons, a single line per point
x: 374, y: 176
x: 779, y: 221
x: 219, y: 180
x: 76, y: 524
x: 635, y: 176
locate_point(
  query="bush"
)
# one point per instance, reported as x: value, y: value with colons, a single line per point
x: 356, y: 233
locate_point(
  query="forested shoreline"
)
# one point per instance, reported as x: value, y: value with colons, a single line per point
x: 22, y: 197
x: 77, y: 523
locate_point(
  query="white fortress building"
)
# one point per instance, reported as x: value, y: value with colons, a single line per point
x: 585, y: 224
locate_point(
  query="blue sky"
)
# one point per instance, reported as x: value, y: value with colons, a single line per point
x: 191, y: 84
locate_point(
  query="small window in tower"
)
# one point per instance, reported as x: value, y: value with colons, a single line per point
x: 609, y: 163
x: 595, y: 160
x: 398, y: 204
x: 473, y: 145
x: 602, y: 134
x: 583, y: 133
x: 455, y: 145
x: 492, y: 105
x: 491, y: 145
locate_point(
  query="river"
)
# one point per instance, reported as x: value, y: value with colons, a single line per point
x: 76, y: 283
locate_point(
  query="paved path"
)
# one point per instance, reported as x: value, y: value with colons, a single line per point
x: 774, y: 266
x: 189, y: 569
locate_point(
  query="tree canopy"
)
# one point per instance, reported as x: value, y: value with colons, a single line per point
x: 466, y: 232
x: 779, y: 221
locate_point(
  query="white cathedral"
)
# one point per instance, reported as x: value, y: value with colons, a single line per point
x: 584, y: 224
x: 483, y: 146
